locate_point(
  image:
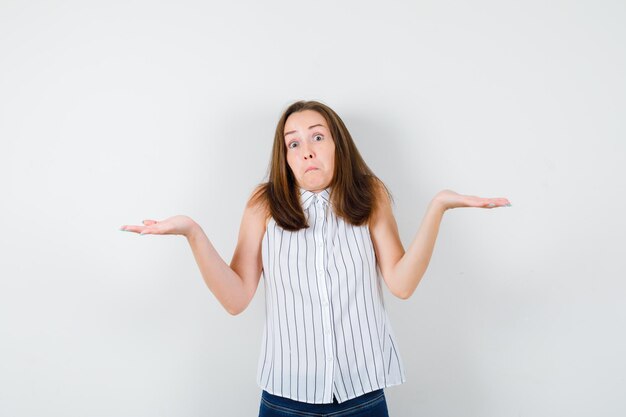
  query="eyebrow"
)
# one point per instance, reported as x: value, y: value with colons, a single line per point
x: 310, y: 127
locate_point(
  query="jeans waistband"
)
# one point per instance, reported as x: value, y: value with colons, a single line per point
x: 321, y: 408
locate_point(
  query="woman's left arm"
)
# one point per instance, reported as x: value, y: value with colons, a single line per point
x: 402, y: 271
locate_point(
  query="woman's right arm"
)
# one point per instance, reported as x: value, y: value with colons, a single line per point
x: 234, y: 285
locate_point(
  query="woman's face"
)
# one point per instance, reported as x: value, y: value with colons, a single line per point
x: 310, y: 150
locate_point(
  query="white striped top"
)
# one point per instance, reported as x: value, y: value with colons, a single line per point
x: 326, y: 330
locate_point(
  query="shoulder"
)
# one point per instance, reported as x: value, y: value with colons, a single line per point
x: 257, y: 205
x: 382, y: 202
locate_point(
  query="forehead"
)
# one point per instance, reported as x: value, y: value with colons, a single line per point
x: 300, y: 121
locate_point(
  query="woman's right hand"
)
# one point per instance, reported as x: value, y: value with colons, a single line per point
x: 175, y: 225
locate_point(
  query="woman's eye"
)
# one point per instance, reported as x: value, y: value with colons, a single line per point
x: 292, y: 145
x: 318, y: 136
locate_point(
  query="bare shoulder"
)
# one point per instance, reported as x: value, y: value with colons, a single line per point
x: 382, y: 192
x: 257, y: 208
x: 382, y: 202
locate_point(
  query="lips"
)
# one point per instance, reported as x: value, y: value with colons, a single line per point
x: 310, y: 169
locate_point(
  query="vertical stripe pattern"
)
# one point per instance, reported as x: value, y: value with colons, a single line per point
x: 326, y: 331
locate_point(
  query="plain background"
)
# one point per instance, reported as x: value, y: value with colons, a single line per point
x: 112, y: 112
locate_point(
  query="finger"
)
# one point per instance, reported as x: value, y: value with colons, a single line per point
x: 497, y: 203
x: 501, y: 202
x: 149, y: 222
x: 151, y: 231
x: 135, y: 229
x: 146, y: 231
x: 491, y: 202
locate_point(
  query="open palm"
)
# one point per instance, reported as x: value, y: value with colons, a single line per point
x: 175, y: 225
x: 450, y: 199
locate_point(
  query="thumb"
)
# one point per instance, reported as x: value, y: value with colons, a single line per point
x: 149, y: 222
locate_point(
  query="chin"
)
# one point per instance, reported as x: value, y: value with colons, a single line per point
x: 312, y: 185
x: 320, y: 185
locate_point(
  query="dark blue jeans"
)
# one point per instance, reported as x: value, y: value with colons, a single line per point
x: 372, y: 404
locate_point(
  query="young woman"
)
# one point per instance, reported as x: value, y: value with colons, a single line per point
x: 322, y: 234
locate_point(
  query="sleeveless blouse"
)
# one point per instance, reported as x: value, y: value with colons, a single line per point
x: 326, y: 330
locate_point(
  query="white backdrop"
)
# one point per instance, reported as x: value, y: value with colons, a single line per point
x: 116, y: 111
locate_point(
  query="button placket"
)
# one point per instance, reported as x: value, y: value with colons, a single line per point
x: 321, y: 282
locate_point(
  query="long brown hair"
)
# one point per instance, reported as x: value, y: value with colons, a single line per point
x: 354, y: 185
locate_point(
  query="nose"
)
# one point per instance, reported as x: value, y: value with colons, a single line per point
x: 308, y: 154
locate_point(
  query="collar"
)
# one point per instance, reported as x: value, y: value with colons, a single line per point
x: 308, y: 197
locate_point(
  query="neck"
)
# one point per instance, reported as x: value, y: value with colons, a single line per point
x: 316, y: 191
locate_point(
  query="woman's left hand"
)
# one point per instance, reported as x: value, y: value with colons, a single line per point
x: 449, y: 199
